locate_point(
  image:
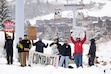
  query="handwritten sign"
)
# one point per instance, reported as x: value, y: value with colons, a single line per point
x: 32, y: 32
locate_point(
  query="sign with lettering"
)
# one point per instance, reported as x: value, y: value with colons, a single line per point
x: 9, y: 26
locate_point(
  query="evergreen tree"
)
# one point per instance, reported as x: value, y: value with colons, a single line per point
x: 4, y: 12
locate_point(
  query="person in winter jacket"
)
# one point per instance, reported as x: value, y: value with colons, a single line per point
x: 39, y: 45
x: 26, y: 47
x: 9, y: 48
x: 65, y: 53
x: 78, y: 50
x: 39, y: 48
x: 19, y: 46
x: 56, y: 46
x: 5, y: 40
x: 92, y: 52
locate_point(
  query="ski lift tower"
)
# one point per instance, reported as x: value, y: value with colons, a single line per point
x: 75, y: 7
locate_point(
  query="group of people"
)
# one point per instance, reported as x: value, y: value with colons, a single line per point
x: 64, y: 50
x: 23, y: 49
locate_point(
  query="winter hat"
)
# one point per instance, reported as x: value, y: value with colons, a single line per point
x: 25, y: 35
x: 92, y: 40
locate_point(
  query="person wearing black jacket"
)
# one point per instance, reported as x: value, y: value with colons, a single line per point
x: 39, y: 48
x: 26, y: 47
x: 92, y: 52
x: 9, y: 48
x: 19, y: 46
x: 65, y: 53
x: 39, y: 45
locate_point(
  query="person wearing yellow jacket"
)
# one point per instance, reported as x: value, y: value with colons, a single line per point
x: 19, y: 46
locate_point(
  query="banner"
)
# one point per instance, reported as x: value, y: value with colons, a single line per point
x: 8, y: 26
x: 45, y: 59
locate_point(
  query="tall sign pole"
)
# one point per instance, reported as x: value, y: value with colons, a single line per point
x: 19, y: 22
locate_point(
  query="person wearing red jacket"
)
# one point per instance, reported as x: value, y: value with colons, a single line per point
x: 78, y: 50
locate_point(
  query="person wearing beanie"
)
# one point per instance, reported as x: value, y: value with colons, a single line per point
x: 26, y: 47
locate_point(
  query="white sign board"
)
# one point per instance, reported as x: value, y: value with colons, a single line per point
x: 78, y: 32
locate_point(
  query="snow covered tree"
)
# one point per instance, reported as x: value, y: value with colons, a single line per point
x: 4, y: 12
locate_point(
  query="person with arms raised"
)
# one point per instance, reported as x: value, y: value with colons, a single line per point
x: 78, y: 50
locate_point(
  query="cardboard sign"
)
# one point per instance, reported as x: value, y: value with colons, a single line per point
x: 9, y: 26
x: 32, y: 33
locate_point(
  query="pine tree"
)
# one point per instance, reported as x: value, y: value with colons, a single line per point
x: 4, y: 12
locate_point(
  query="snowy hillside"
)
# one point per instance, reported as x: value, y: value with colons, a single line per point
x: 47, y: 7
x: 103, y: 52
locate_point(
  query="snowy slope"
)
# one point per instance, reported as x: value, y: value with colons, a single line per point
x: 105, y: 11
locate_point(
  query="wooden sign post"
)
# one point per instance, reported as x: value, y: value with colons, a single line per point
x: 32, y: 33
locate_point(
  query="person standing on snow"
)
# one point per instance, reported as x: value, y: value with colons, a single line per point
x: 39, y: 47
x: 56, y: 46
x: 9, y: 48
x: 78, y: 50
x: 20, y: 51
x: 92, y: 52
x: 26, y: 47
x: 65, y: 54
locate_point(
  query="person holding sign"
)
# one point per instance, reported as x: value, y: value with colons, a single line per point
x: 9, y: 48
x: 40, y: 45
x: 78, y: 49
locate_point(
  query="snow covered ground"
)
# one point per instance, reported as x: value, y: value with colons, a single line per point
x: 103, y: 52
